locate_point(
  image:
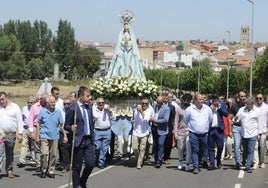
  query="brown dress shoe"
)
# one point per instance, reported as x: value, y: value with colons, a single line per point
x: 166, y: 162
x: 10, y: 175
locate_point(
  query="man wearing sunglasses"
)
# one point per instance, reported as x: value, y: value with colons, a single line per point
x: 141, y: 129
x: 259, y: 154
x: 102, y: 116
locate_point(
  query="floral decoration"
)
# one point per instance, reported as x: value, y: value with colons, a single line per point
x: 123, y: 88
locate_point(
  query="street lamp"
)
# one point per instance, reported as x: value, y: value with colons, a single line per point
x: 228, y: 68
x: 198, y: 81
x: 252, y: 53
x: 178, y: 85
x: 161, y: 80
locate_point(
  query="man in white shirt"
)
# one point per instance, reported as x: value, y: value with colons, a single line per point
x: 10, y: 121
x: 141, y: 128
x: 102, y: 120
x: 249, y: 116
x: 55, y: 91
x: 259, y: 153
x: 26, y: 143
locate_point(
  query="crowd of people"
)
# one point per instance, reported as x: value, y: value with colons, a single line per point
x: 204, y: 130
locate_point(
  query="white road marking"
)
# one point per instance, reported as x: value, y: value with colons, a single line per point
x: 241, y: 174
x: 238, y: 185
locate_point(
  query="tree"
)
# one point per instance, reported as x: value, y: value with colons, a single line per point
x: 89, y: 62
x: 28, y: 39
x: 237, y: 81
x: 44, y: 38
x: 260, y: 70
x: 9, y: 45
x: 16, y: 68
x: 65, y: 47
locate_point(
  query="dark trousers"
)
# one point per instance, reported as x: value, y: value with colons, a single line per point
x: 215, y: 138
x: 168, y: 144
x: 85, y: 151
x: 8, y: 148
x: 64, y: 153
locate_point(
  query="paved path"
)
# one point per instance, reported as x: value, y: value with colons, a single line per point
x: 123, y: 174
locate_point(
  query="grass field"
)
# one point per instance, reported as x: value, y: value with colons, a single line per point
x: 18, y: 93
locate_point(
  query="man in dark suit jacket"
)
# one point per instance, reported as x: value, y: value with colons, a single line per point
x: 216, y: 131
x: 168, y: 142
x: 79, y: 120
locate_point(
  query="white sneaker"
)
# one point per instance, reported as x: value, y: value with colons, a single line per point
x: 255, y: 166
x: 187, y: 167
x: 180, y: 165
x: 262, y: 165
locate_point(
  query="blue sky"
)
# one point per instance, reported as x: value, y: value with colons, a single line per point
x: 98, y: 20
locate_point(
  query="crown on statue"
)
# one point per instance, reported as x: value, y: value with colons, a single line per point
x: 127, y: 16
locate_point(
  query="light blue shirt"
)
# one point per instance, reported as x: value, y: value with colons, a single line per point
x: 198, y: 120
x: 50, y: 123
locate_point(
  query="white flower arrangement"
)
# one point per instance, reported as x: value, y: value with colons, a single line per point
x: 121, y: 87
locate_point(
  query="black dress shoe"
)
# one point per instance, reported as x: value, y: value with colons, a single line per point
x: 211, y: 167
x: 237, y: 167
x: 101, y: 167
x: 219, y: 165
x: 51, y: 175
x: 204, y: 164
x: 157, y: 165
x: 248, y: 170
x: 83, y: 185
x: 20, y: 165
x: 43, y: 175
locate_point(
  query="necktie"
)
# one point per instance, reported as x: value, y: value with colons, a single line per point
x: 104, y: 115
x: 85, y: 118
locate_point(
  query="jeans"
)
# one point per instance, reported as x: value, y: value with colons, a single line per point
x: 237, y: 143
x: 102, y: 143
x: 248, y: 147
x: 159, y: 149
x: 198, y: 144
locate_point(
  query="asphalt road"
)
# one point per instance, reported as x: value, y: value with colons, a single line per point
x: 123, y: 174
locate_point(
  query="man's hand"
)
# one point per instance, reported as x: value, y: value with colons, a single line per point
x: 74, y: 127
x: 32, y: 135
x: 20, y: 138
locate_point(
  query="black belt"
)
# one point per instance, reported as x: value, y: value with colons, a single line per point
x: 203, y: 134
x: 102, y: 129
x: 87, y: 136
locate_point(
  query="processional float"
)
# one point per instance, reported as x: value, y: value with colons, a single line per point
x: 125, y: 83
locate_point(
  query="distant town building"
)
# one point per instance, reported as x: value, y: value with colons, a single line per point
x: 244, y: 36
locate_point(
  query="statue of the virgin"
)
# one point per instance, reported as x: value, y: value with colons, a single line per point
x: 126, y: 61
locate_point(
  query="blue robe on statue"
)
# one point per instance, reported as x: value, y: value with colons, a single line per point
x: 126, y: 61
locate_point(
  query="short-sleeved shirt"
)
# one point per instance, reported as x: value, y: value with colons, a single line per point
x: 50, y: 123
x: 234, y: 109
